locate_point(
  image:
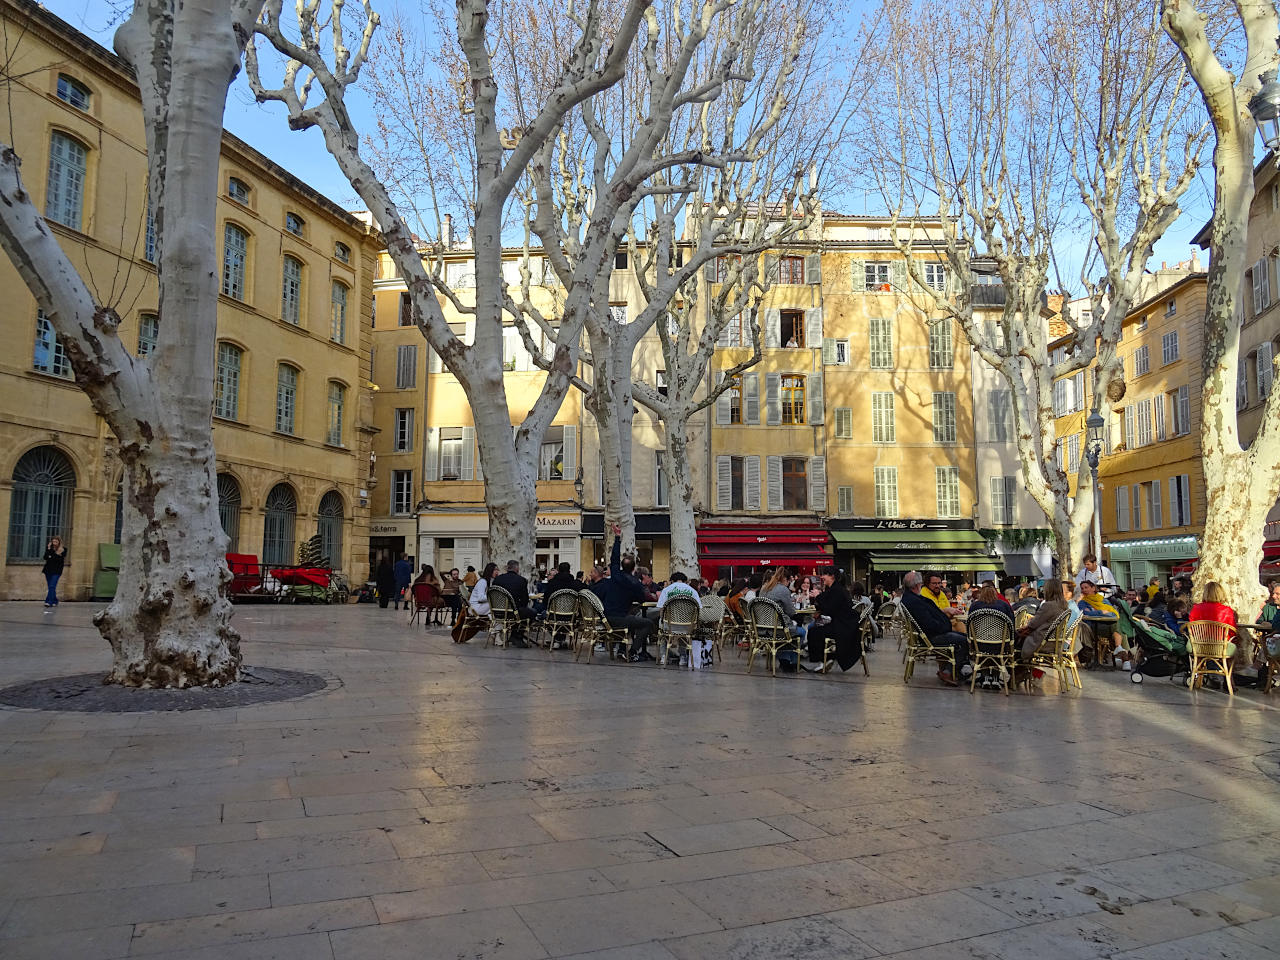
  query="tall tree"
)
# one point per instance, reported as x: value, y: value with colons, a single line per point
x: 1242, y: 481
x: 169, y: 624
x: 521, y: 156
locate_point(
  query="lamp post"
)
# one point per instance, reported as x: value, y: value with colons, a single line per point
x: 1265, y: 107
x: 1095, y: 426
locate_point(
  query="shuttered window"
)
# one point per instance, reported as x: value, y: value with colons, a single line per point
x: 406, y: 366
x: 947, y: 481
x: 886, y: 487
x: 883, y: 425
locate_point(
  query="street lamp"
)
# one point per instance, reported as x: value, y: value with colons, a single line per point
x: 1096, y: 427
x: 577, y: 487
x: 1265, y: 107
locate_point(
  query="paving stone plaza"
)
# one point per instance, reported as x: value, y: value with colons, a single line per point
x: 436, y: 801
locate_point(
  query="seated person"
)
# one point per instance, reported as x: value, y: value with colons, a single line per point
x: 736, y: 601
x: 936, y: 624
x: 990, y: 599
x: 678, y: 586
x: 777, y: 590
x: 1028, y: 598
x: 936, y: 592
x: 1055, y: 604
x: 1213, y: 606
x: 562, y: 579
x: 618, y: 593
x: 837, y: 620
x: 518, y: 587
x: 1102, y: 619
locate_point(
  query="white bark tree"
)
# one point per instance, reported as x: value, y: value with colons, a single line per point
x: 169, y: 624
x: 522, y: 168
x: 1031, y: 124
x: 1242, y: 481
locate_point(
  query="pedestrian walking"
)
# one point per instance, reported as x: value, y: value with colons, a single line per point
x: 386, y: 580
x: 404, y: 577
x: 55, y: 558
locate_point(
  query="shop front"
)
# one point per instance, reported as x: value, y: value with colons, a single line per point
x: 730, y: 550
x: 653, y: 542
x: 880, y: 551
x: 448, y: 539
x: 1135, y: 562
x: 390, y: 538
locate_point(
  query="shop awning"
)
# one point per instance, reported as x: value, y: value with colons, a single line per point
x: 762, y: 545
x: 942, y: 560
x: 916, y: 541
x: 1022, y: 565
x: 647, y: 524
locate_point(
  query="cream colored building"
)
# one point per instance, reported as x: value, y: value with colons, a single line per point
x: 292, y: 426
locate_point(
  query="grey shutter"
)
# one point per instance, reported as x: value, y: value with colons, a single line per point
x: 858, y: 276
x: 828, y: 350
x: 1159, y: 406
x: 751, y: 480
x: 1173, y: 502
x: 817, y: 408
x: 1011, y: 499
x: 722, y: 403
x: 813, y: 327
x: 773, y: 466
x: 771, y: 268
x: 818, y: 484
x: 751, y: 398
x: 813, y: 268
x: 724, y: 483
x: 773, y: 399
x: 709, y: 270
x: 468, y: 453
x: 898, y: 274
x: 570, y: 456
x: 772, y: 328
x: 1186, y: 498
x: 479, y: 470
x: 433, y: 453
x: 722, y: 339
x: 1157, y: 510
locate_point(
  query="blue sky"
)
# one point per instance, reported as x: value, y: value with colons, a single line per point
x: 304, y: 154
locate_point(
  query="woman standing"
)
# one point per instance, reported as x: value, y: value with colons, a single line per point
x: 386, y: 580
x: 838, y: 621
x: 55, y: 558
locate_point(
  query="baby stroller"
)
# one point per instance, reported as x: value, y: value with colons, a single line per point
x: 1164, y: 653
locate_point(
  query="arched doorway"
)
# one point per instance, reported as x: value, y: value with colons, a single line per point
x: 329, y: 526
x: 43, y: 483
x: 278, y: 530
x: 229, y: 509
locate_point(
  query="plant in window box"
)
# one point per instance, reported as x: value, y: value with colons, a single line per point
x: 509, y: 365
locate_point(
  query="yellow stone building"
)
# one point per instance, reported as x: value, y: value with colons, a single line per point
x: 292, y: 423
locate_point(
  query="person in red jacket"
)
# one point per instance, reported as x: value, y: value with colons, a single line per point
x: 1214, y: 606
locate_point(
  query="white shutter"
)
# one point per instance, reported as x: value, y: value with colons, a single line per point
x: 1122, y: 508
x: 828, y: 350
x: 813, y: 327
x: 858, y: 276
x: 1258, y: 271
x: 751, y: 478
x: 724, y: 483
x: 1077, y: 384
x: 817, y: 408
x: 433, y: 453
x: 479, y: 471
x: 1159, y: 405
x: 722, y: 339
x: 1130, y: 440
x: 433, y: 362
x: 1184, y: 408
x: 773, y: 466
x: 898, y: 274
x: 773, y: 399
x: 1174, y: 520
x: 722, y: 403
x: 813, y: 268
x: 818, y: 484
x: 468, y: 453
x: 1185, y: 499
x: 1136, y: 517
x: 1266, y: 372
x: 772, y: 328
x: 1157, y: 511
x: 469, y: 331
x: 997, y: 500
x: 751, y: 398
x: 570, y: 456
x: 709, y: 270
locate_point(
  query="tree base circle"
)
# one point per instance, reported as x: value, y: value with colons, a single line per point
x: 90, y: 693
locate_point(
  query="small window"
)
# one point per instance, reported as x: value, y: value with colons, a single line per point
x: 1141, y: 361
x: 842, y: 352
x: 73, y: 92
x: 238, y: 190
x: 1171, y: 307
x: 791, y: 270
x: 401, y: 492
x: 1169, y: 347
x: 662, y: 383
x: 551, y: 455
x: 618, y: 313
x: 793, y: 400
x: 342, y: 252
x: 338, y: 317
x: 844, y: 423
x: 293, y: 223
x: 844, y: 501
x: 877, y: 275
x: 1142, y: 324
x: 148, y: 333
x: 935, y: 276
x: 403, y: 436
x: 791, y: 332
x: 49, y: 355
x: 620, y: 260
x: 944, y: 417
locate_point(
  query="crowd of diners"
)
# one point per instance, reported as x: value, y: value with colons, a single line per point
x: 827, y: 604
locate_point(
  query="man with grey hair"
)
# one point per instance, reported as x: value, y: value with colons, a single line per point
x: 518, y: 587
x: 936, y: 626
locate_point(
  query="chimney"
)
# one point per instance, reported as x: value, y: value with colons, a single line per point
x: 446, y: 232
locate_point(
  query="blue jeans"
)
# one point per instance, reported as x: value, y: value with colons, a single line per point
x: 52, y: 580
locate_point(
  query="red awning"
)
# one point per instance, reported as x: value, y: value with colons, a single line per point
x: 759, y: 534
x: 757, y: 546
x: 1185, y: 568
x: 1271, y: 549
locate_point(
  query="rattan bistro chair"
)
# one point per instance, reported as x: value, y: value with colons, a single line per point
x: 504, y: 616
x: 1056, y: 653
x: 890, y: 623
x: 593, y: 628
x: 991, y: 646
x: 920, y: 648
x: 676, y: 626
x: 561, y: 617
x: 769, y: 631
x: 1212, y: 650
x: 711, y: 622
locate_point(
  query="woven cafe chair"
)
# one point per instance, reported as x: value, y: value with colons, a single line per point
x: 420, y: 605
x: 593, y: 628
x: 1056, y: 653
x: 561, y: 617
x: 736, y: 630
x: 1211, y: 647
x: 769, y: 631
x: 1267, y: 643
x: 890, y: 623
x: 920, y: 648
x: 676, y: 626
x: 991, y: 646
x: 711, y: 622
x: 1022, y: 616
x: 504, y: 616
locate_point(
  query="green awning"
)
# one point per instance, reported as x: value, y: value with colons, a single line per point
x: 913, y: 541
x: 941, y: 560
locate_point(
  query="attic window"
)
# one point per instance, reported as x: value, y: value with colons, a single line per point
x: 73, y: 92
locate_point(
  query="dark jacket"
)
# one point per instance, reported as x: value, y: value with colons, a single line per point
x: 403, y: 573
x: 620, y: 590
x: 54, y: 562
x: 999, y: 606
x: 925, y: 612
x: 835, y: 602
x: 386, y: 578
x: 515, y: 585
x: 562, y: 581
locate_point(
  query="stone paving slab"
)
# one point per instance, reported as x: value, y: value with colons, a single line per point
x: 437, y: 800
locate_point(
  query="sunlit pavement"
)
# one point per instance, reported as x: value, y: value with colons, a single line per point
x: 439, y: 801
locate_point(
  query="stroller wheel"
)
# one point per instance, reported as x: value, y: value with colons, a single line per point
x: 1136, y: 677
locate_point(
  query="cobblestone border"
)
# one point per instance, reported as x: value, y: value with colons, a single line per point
x: 86, y: 693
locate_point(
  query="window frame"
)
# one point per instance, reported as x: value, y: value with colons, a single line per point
x: 73, y: 87
x: 880, y: 343
x: 66, y: 186
x: 949, y: 510
x: 286, y: 399
x: 295, y: 224
x: 336, y: 407
x: 791, y: 270
x: 58, y: 364
x: 791, y: 396
x: 291, y: 286
x: 238, y: 190
x: 148, y: 333
x: 342, y: 252
x: 942, y: 348
x: 885, y: 483
x: 797, y: 319
x: 402, y: 429
x: 793, y: 480
x: 401, y: 498
x: 944, y: 409
x: 338, y: 311
x: 884, y: 430
x: 1168, y: 355
x: 878, y: 274
x: 226, y: 381
x: 235, y: 263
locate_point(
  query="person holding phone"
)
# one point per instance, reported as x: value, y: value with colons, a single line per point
x: 55, y: 558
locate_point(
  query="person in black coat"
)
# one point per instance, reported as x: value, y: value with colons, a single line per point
x: 386, y: 580
x: 839, y: 622
x: 563, y: 580
x: 518, y: 587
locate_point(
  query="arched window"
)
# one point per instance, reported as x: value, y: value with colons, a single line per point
x: 278, y: 531
x: 74, y: 92
x: 226, y: 384
x: 229, y: 509
x: 342, y: 252
x: 238, y: 190
x: 286, y: 397
x: 338, y: 320
x: 337, y: 400
x: 329, y: 526
x: 43, y: 482
x: 235, y: 257
x: 291, y: 292
x: 68, y: 166
x: 294, y: 223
